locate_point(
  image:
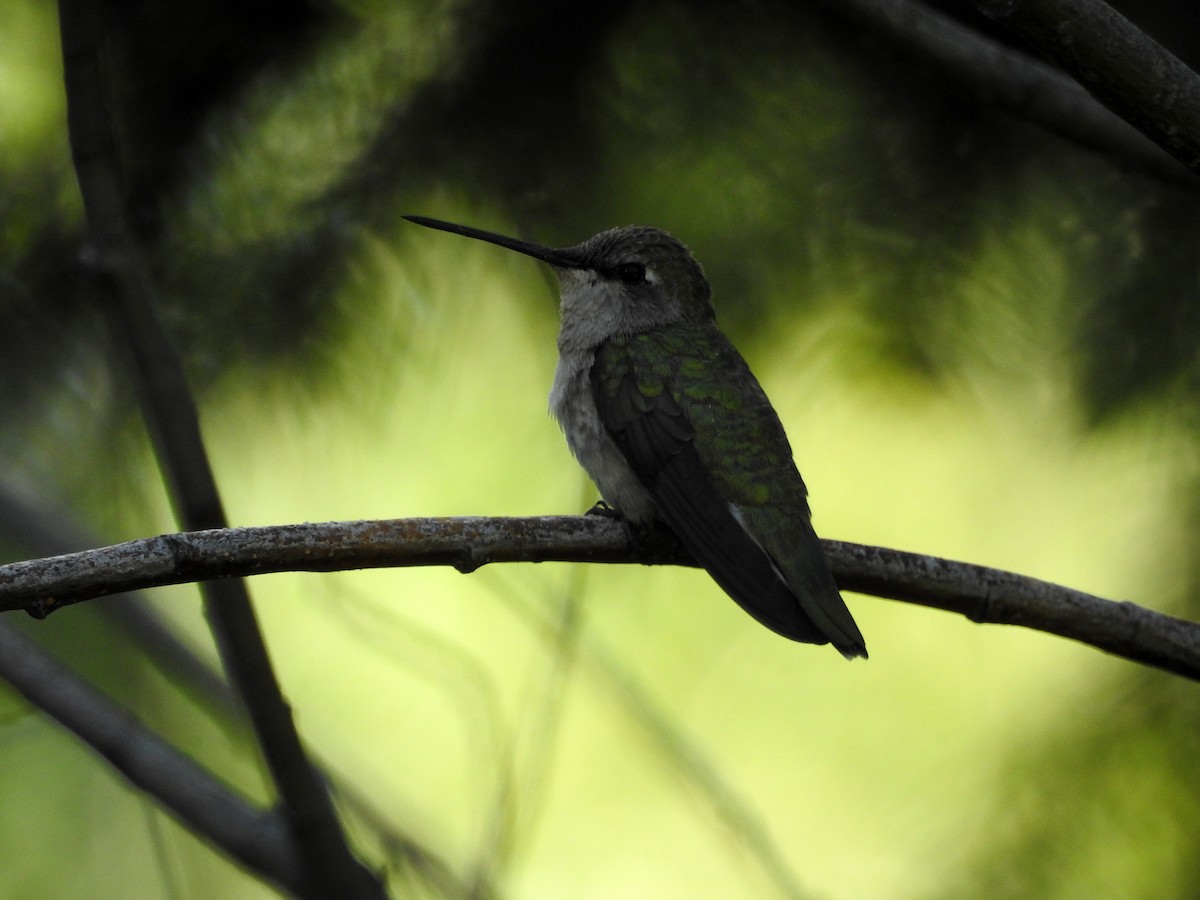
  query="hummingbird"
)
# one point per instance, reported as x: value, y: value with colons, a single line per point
x: 667, y: 419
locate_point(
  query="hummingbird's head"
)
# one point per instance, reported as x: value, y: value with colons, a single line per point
x: 621, y: 281
x: 636, y: 277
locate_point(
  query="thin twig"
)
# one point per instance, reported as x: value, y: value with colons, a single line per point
x: 173, y: 422
x: 668, y: 735
x: 210, y: 809
x: 1009, y: 80
x: 981, y: 594
x: 1122, y: 67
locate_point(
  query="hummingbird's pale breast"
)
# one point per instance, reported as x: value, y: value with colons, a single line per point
x: 574, y: 406
x: 592, y: 310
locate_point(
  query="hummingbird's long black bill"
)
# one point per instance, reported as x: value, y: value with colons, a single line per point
x: 559, y: 258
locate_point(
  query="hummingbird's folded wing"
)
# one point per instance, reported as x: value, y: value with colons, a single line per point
x: 657, y: 435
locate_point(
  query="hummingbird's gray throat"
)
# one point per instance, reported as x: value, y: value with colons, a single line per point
x: 667, y: 419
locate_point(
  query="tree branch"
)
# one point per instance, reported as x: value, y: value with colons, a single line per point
x: 172, y: 419
x: 1015, y: 82
x: 33, y: 523
x: 1138, y: 79
x: 981, y: 594
x: 38, y: 527
x: 261, y: 842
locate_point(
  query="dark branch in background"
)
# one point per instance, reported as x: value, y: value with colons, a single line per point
x: 1122, y: 67
x: 1009, y: 80
x: 170, y: 413
x: 259, y: 841
x: 981, y: 594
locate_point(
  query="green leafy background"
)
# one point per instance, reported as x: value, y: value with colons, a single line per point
x: 981, y: 339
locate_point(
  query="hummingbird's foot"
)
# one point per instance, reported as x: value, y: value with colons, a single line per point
x: 603, y: 509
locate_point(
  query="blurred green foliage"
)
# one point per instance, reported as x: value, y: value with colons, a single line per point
x: 983, y: 342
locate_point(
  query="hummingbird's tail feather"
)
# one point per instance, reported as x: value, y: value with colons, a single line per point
x: 710, y: 528
x: 798, y: 561
x: 807, y: 573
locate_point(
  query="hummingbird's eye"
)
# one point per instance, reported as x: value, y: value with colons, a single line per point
x: 631, y: 273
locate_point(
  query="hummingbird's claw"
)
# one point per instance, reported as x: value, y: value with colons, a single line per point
x: 603, y: 509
